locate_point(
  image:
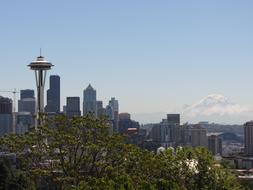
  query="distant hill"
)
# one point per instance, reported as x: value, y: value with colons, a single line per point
x: 231, y: 137
x: 220, y: 128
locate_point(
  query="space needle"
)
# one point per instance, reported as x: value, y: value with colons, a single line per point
x: 40, y: 67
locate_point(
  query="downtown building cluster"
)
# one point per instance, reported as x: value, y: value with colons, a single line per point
x: 21, y: 121
x: 168, y: 133
x: 171, y: 133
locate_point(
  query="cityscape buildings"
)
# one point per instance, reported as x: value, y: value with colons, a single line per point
x: 27, y: 102
x: 168, y: 133
x: 6, y: 118
x: 26, y: 111
x: 109, y: 112
x: 215, y: 144
x: 89, y: 101
x: 114, y: 104
x: 24, y: 121
x: 28, y: 93
x: 248, y: 138
x: 73, y: 107
x: 126, y: 123
x: 198, y: 136
x: 53, y: 95
x: 173, y: 122
x: 100, y: 109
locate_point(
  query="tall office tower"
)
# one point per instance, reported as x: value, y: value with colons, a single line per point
x: 174, y: 123
x: 26, y: 94
x: 109, y: 112
x: 198, y: 136
x: 53, y: 94
x: 248, y: 138
x: 27, y: 102
x: 215, y: 144
x: 173, y: 118
x: 165, y: 132
x: 115, y: 107
x: 26, y: 110
x: 182, y: 135
x: 6, y: 121
x: 73, y: 107
x: 100, y: 109
x: 155, y: 133
x: 90, y: 101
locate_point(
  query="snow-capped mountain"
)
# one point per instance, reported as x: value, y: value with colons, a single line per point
x: 216, y: 108
x: 214, y: 104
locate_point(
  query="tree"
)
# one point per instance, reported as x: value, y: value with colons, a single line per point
x: 80, y: 153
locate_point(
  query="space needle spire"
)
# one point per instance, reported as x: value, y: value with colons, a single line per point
x: 40, y: 67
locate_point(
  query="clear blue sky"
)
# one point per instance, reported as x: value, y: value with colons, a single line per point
x: 151, y: 55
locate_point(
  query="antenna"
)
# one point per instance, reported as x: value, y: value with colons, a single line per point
x: 40, y: 52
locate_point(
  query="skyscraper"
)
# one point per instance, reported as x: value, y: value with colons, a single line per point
x: 53, y: 94
x: 155, y: 133
x: 248, y: 138
x: 27, y: 102
x: 73, y: 107
x: 26, y: 94
x: 173, y: 124
x: 100, y: 109
x: 198, y: 136
x: 215, y: 144
x: 5, y: 105
x: 115, y: 108
x: 6, y: 121
x: 89, y: 101
x: 165, y: 132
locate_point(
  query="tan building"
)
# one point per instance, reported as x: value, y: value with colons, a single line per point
x: 215, y: 144
x: 198, y: 136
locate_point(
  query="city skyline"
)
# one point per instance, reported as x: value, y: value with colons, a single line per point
x: 140, y: 53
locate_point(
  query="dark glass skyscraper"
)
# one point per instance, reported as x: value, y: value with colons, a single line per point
x: 73, y: 107
x: 5, y: 105
x: 53, y: 94
x: 26, y: 94
x: 5, y: 116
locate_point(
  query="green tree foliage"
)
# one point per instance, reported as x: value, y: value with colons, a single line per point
x: 11, y: 179
x: 80, y: 153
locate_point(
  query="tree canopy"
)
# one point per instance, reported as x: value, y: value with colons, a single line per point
x: 80, y: 153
